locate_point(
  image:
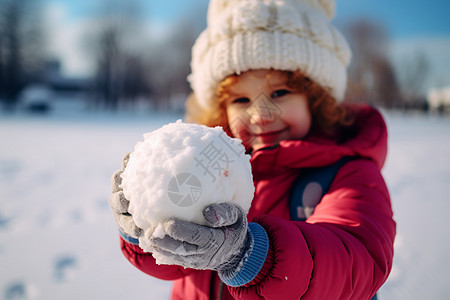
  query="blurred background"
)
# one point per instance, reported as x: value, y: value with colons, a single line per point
x: 81, y: 81
x: 115, y: 55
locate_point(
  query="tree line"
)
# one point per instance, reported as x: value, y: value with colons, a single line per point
x: 129, y: 66
x: 373, y: 78
x: 21, y: 49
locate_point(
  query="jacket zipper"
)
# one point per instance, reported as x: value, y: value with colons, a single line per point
x: 212, y: 288
x: 220, y: 292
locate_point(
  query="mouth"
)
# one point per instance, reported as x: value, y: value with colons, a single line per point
x: 271, y: 133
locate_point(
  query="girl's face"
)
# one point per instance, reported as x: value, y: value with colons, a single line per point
x: 262, y: 110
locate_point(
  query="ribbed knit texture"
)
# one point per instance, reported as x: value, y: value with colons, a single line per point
x: 287, y: 35
x: 253, y: 260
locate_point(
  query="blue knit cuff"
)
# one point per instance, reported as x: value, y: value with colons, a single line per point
x: 128, y: 238
x: 253, y: 260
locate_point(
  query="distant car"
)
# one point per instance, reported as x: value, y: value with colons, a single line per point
x: 36, y: 98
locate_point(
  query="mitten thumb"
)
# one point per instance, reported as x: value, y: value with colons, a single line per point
x: 223, y: 214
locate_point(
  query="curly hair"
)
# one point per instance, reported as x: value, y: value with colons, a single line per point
x: 327, y: 114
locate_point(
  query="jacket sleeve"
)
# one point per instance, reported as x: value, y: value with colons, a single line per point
x: 343, y: 251
x: 145, y: 262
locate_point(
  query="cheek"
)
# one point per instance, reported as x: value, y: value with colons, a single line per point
x: 299, y: 119
x: 236, y: 121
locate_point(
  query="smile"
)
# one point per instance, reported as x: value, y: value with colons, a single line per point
x: 272, y: 133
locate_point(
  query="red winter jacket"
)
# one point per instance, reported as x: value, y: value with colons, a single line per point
x: 344, y: 250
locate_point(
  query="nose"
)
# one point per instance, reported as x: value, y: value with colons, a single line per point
x: 261, y: 112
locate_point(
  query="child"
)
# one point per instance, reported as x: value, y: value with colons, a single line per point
x: 273, y: 73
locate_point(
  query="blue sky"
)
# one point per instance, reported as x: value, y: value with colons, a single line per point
x: 418, y: 24
x: 403, y: 18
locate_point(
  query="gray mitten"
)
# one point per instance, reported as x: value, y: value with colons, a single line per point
x: 119, y: 206
x: 218, y: 245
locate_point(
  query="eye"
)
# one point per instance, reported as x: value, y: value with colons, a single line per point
x: 280, y: 93
x: 242, y: 100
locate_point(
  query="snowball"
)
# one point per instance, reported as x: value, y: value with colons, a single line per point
x: 181, y: 168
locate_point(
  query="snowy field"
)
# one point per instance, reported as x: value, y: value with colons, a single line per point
x: 58, y: 239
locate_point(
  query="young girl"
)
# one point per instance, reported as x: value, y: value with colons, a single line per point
x: 272, y: 73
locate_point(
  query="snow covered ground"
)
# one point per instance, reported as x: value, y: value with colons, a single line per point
x: 58, y: 239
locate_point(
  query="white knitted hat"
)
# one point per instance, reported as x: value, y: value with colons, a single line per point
x: 286, y: 35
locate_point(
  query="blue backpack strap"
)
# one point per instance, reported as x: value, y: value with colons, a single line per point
x: 309, y: 188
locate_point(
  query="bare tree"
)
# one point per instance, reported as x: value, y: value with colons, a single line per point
x: 172, y: 60
x: 21, y: 50
x: 413, y: 72
x: 371, y: 75
x: 135, y: 82
x: 107, y: 83
x: 132, y: 63
x: 119, y: 62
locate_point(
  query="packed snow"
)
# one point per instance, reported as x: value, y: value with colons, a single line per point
x: 58, y: 239
x: 181, y: 168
